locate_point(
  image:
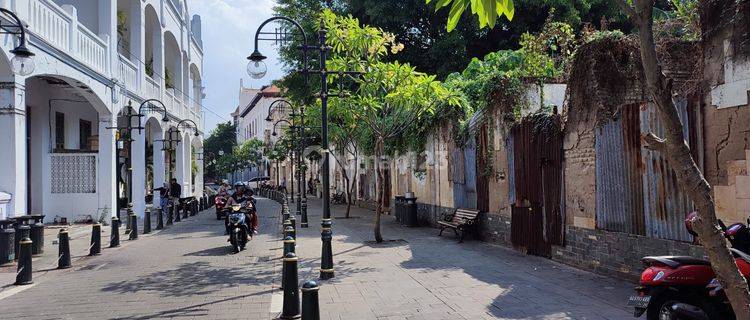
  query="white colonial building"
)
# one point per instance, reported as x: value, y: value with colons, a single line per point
x: 62, y: 152
x: 250, y: 119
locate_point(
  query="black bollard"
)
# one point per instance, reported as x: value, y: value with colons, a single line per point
x: 303, y: 222
x: 177, y: 215
x: 22, y: 231
x: 133, y: 227
x: 96, y: 239
x: 159, y: 219
x: 170, y: 214
x: 326, y: 262
x: 63, y: 252
x: 289, y: 245
x: 114, y: 238
x: 290, y: 284
x: 128, y: 224
x: 289, y: 232
x: 146, y: 222
x: 293, y: 220
x: 23, y: 273
x: 310, y: 306
x: 200, y: 204
x: 286, y: 223
x: 185, y: 210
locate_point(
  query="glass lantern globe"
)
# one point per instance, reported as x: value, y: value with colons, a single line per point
x: 256, y: 69
x: 22, y: 65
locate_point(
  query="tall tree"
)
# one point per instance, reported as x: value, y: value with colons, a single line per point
x: 221, y: 140
x: 675, y: 150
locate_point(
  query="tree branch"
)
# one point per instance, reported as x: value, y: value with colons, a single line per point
x: 652, y: 142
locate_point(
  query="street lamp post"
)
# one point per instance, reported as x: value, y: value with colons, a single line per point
x: 257, y: 69
x: 301, y: 168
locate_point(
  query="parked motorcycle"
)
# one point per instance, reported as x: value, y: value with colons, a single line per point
x: 220, y: 201
x: 685, y: 288
x: 237, y: 227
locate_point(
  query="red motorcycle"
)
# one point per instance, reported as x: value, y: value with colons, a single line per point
x: 685, y: 288
x: 220, y: 201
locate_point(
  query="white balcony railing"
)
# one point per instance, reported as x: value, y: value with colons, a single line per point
x: 129, y: 74
x: 59, y: 27
x: 92, y: 50
x: 152, y: 89
x: 51, y: 23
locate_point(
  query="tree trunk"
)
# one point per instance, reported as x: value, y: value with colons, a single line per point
x: 378, y: 191
x: 674, y: 148
x: 348, y: 195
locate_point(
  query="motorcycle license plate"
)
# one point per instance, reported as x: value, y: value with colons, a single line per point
x: 639, y: 301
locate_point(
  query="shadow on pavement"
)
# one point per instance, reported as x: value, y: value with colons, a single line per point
x: 196, y: 310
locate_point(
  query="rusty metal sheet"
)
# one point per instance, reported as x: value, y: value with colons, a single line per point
x: 665, y: 204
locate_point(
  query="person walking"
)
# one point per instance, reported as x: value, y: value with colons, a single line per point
x: 163, y: 196
x: 175, y: 190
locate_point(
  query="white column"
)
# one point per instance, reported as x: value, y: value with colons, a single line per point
x: 180, y: 164
x: 187, y: 167
x: 107, y: 163
x: 159, y: 168
x: 138, y: 167
x: 13, y: 146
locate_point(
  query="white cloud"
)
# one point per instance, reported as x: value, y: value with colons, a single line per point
x: 228, y: 28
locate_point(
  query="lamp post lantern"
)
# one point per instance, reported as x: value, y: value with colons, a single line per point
x: 22, y: 62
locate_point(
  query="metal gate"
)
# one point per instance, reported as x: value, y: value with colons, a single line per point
x: 537, y: 220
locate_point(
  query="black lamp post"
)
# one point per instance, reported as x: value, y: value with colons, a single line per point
x: 22, y: 62
x: 301, y: 170
x: 257, y: 69
x: 292, y: 151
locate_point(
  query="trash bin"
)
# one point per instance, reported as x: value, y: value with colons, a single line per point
x: 4, y: 201
x: 37, y: 238
x: 7, y: 240
x: 409, y: 212
x: 398, y: 206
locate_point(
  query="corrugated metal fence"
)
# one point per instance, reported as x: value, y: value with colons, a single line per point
x: 637, y: 192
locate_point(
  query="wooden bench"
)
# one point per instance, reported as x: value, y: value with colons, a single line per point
x: 462, y: 220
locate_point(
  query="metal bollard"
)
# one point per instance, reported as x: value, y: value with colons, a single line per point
x: 63, y: 252
x: 146, y: 222
x: 185, y: 210
x: 96, y: 239
x: 310, y: 306
x: 286, y: 223
x: 159, y: 219
x: 23, y: 275
x: 170, y: 214
x: 176, y: 210
x: 289, y: 232
x: 134, y: 227
x: 130, y: 223
x: 293, y: 220
x: 303, y: 223
x: 290, y: 284
x: 326, y: 262
x: 22, y: 231
x: 289, y: 245
x: 114, y: 238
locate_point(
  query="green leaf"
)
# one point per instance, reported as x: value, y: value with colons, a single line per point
x: 455, y: 14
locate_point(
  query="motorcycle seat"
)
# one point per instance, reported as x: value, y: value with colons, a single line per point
x: 741, y: 255
x: 676, y: 261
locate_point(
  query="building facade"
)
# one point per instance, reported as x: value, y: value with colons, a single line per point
x: 250, y: 119
x: 64, y: 126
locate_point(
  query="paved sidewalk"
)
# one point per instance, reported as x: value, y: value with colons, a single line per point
x: 422, y: 276
x: 188, y: 272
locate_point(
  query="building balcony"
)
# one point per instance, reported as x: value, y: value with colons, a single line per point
x: 58, y: 27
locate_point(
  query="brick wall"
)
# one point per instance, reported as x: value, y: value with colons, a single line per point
x: 615, y: 253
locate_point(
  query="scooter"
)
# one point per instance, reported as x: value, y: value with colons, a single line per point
x: 685, y: 288
x: 220, y: 202
x: 237, y: 228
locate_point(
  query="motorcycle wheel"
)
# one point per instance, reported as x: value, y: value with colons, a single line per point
x: 661, y: 309
x: 218, y: 215
x: 235, y: 242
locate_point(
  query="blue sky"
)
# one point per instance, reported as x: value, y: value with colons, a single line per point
x: 228, y: 30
